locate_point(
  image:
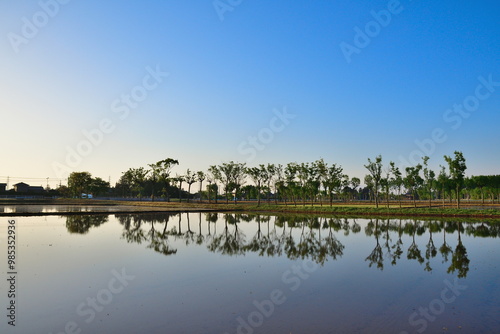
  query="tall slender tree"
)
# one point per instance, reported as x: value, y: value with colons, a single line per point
x: 214, y: 176
x: 256, y: 175
x: 239, y: 179
x: 200, y: 177
x: 291, y: 182
x: 413, y: 181
x: 270, y: 173
x: 375, y: 169
x: 332, y: 180
x: 161, y: 171
x: 443, y: 181
x: 429, y: 176
x: 397, y: 179
x: 303, y: 174
x: 457, y: 169
x: 385, y: 182
x: 233, y: 177
x: 190, y: 178
x: 278, y: 181
x: 179, y: 179
x: 322, y: 170
x: 355, y: 182
x: 370, y: 185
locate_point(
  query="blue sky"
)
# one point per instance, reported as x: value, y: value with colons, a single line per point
x: 228, y: 78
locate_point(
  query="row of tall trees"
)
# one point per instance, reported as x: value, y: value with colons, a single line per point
x: 316, y: 182
x: 417, y: 179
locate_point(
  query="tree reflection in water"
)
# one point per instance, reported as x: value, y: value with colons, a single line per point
x: 296, y: 237
x: 445, y: 249
x: 397, y: 247
x: 459, y: 259
x: 228, y: 243
x: 413, y: 251
x: 157, y: 240
x: 376, y: 256
x: 81, y: 224
x: 430, y: 248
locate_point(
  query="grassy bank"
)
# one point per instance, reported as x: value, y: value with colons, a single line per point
x: 337, y: 209
x: 344, y: 209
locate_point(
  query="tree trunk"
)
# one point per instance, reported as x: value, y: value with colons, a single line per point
x: 153, y: 190
x: 443, y: 196
x: 201, y: 187
x: 387, y: 197
x: 166, y: 190
x: 216, y: 193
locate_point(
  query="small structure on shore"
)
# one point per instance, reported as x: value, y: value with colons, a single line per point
x: 21, y: 187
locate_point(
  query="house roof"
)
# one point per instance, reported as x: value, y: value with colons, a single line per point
x: 21, y: 184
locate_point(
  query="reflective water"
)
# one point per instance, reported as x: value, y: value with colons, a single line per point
x: 43, y: 208
x: 238, y: 273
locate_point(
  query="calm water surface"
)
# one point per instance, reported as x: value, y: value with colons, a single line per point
x: 238, y: 273
x: 38, y: 208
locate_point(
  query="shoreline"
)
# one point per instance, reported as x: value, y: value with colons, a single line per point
x: 490, y: 211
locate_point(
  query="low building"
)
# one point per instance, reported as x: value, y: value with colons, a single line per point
x: 3, y: 187
x: 21, y: 187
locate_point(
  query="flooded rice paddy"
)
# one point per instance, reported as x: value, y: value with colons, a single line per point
x: 247, y: 273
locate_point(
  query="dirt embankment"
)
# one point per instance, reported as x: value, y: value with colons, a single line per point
x: 352, y: 209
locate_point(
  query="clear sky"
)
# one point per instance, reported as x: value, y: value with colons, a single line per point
x: 209, y: 81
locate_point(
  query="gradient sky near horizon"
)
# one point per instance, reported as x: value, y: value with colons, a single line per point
x: 227, y: 78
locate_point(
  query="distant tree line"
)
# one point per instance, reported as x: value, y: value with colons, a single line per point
x: 307, y: 183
